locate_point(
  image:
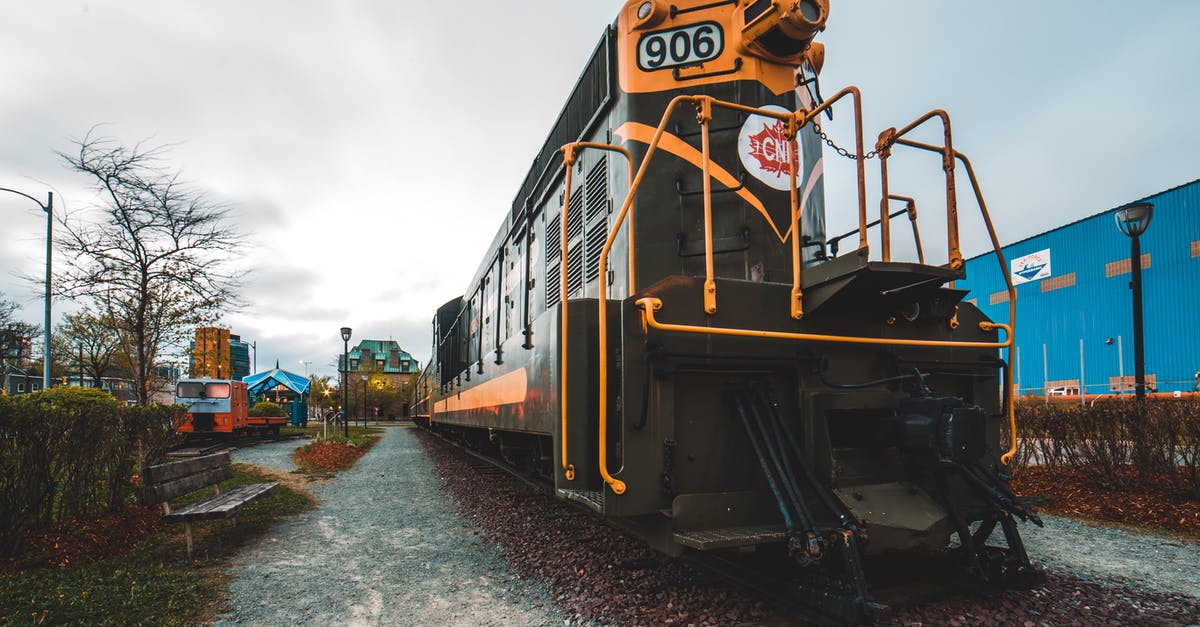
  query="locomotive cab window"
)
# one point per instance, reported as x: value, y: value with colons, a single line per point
x: 216, y: 390
x: 190, y: 389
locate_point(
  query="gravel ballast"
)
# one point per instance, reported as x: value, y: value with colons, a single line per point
x: 385, y: 548
x: 598, y: 574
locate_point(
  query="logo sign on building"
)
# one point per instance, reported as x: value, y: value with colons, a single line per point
x: 1031, y: 267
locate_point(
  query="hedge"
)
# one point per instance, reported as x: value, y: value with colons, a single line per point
x: 1124, y: 443
x: 267, y: 408
x: 70, y: 452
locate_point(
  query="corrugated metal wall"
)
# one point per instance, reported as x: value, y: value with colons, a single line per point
x: 1087, y: 299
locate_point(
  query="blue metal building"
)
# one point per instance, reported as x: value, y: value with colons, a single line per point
x: 1075, y: 307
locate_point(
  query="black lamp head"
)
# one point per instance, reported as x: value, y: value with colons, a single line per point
x: 345, y: 334
x: 1133, y: 219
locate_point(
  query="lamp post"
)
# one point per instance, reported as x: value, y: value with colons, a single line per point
x: 364, y: 403
x: 1133, y: 220
x: 49, y: 209
x: 306, y: 363
x: 345, y: 380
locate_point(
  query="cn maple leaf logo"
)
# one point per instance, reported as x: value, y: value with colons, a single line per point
x: 770, y: 148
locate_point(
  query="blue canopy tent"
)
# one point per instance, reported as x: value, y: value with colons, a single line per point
x: 288, y: 389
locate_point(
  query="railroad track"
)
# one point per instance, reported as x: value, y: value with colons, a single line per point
x: 800, y: 595
x: 200, y: 446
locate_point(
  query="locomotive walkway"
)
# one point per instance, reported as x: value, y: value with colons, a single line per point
x: 384, y: 547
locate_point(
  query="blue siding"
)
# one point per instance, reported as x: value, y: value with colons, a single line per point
x: 1098, y: 307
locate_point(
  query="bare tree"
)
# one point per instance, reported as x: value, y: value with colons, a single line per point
x: 158, y: 264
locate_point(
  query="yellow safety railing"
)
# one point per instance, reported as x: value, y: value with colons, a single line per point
x: 570, y: 154
x: 794, y: 121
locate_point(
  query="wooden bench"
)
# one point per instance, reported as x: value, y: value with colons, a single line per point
x: 167, y: 481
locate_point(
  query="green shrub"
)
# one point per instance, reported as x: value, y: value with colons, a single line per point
x: 67, y: 452
x: 1158, y: 438
x: 267, y: 408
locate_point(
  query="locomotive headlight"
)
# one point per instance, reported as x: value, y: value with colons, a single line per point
x: 646, y: 13
x: 780, y: 30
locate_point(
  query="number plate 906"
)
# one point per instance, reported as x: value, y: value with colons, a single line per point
x: 676, y: 47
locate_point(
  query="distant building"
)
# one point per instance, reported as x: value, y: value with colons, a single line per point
x: 235, y: 357
x: 122, y: 389
x: 17, y: 381
x: 383, y: 358
x: 1074, y: 305
x: 239, y: 357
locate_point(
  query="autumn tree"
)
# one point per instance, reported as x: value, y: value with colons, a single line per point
x: 92, y: 338
x: 156, y: 262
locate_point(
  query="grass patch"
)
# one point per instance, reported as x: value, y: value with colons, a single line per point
x: 152, y: 583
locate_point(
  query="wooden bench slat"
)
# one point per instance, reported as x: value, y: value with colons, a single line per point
x: 170, y: 471
x: 167, y: 491
x: 223, y: 505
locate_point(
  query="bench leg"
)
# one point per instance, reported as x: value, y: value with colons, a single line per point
x: 188, y: 532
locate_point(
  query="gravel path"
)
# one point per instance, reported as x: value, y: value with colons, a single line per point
x: 273, y: 455
x: 385, y: 547
x: 1095, y: 553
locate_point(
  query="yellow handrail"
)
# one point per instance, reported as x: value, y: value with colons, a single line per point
x: 649, y: 305
x: 987, y: 220
x: 570, y: 154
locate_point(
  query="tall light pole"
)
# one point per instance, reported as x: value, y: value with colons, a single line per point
x: 363, y: 411
x: 306, y: 363
x: 345, y: 381
x: 49, y: 209
x: 1133, y: 220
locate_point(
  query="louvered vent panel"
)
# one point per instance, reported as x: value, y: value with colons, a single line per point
x: 595, y: 243
x: 553, y: 255
x: 575, y: 271
x: 597, y: 190
x: 575, y: 215
x: 554, y: 238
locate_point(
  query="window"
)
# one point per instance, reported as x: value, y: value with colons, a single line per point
x: 404, y: 365
x: 379, y: 364
x: 998, y: 297
x: 20, y: 387
x: 354, y: 364
x: 1122, y: 266
x: 1058, y: 282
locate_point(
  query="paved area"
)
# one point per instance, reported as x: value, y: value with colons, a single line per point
x: 385, y: 548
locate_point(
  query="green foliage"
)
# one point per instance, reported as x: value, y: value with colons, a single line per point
x: 267, y: 408
x: 68, y: 452
x: 154, y: 584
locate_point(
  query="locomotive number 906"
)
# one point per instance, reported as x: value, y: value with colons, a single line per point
x: 677, y: 47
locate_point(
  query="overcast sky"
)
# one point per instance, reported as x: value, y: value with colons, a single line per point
x: 371, y: 148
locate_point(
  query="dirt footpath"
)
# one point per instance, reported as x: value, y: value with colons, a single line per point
x: 385, y: 548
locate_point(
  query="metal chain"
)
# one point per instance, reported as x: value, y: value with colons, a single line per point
x: 841, y: 151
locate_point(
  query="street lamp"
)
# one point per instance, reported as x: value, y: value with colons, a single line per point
x: 1133, y: 220
x: 364, y: 403
x: 49, y: 209
x: 306, y: 363
x: 345, y: 380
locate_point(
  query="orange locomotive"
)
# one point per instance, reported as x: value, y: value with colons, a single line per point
x: 215, y: 406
